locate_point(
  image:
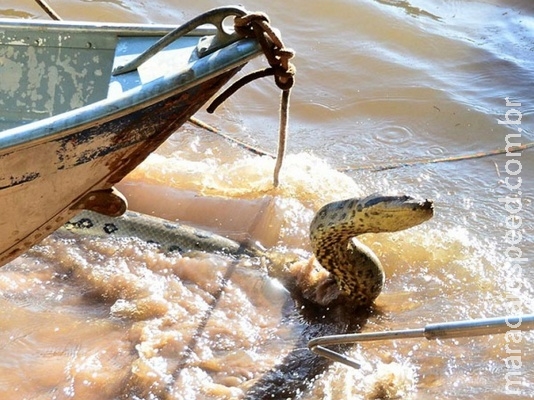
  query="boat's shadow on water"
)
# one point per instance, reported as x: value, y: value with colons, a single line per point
x: 299, y: 369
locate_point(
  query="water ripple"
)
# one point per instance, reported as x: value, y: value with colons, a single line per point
x: 393, y: 134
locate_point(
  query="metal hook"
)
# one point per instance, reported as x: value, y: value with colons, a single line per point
x: 445, y: 330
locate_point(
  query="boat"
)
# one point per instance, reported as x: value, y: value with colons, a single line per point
x: 82, y: 104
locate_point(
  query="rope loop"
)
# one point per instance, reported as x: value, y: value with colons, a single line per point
x: 257, y: 25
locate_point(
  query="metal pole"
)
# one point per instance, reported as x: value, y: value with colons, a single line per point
x: 479, y: 327
x: 444, y: 330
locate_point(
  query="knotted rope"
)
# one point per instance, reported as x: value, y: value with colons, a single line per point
x: 257, y: 25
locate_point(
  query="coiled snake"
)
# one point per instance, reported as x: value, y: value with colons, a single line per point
x: 356, y: 269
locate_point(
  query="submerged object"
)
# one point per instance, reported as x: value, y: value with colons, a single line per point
x: 169, y: 236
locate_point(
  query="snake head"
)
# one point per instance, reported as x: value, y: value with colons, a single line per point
x: 372, y: 214
x: 391, y: 213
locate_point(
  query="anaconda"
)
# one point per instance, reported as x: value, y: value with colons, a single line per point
x: 356, y: 269
x: 168, y: 236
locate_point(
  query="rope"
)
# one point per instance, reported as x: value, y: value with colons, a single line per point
x: 254, y: 150
x: 372, y: 168
x: 238, y: 85
x: 197, y: 335
x: 49, y: 10
x: 257, y: 25
x: 282, y: 135
x: 414, y: 162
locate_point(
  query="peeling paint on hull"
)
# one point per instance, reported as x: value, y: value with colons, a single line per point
x: 49, y: 166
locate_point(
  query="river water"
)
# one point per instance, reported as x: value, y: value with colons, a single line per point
x: 380, y: 84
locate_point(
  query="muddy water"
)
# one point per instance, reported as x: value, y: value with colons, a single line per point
x: 379, y: 82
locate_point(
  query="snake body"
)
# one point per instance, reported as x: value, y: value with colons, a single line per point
x: 356, y: 269
x: 170, y: 237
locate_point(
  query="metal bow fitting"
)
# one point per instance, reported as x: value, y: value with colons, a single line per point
x: 213, y: 17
